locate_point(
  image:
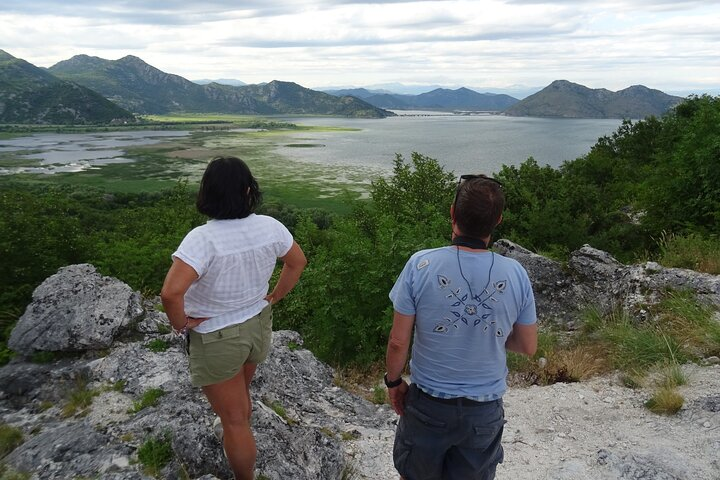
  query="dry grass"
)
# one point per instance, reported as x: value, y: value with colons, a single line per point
x: 361, y: 381
x: 665, y: 401
x: 563, y: 363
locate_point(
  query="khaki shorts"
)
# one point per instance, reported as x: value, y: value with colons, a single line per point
x: 218, y: 356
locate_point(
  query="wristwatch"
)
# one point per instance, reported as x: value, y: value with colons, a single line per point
x: 394, y: 383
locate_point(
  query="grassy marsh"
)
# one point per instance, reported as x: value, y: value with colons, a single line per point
x: 254, y: 139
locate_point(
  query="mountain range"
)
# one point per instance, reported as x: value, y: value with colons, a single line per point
x: 437, y: 99
x: 571, y: 100
x: 142, y: 88
x: 85, y: 89
x: 29, y: 94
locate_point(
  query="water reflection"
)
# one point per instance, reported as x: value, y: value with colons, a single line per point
x: 74, y: 152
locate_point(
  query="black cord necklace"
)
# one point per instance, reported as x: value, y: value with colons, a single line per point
x: 470, y: 242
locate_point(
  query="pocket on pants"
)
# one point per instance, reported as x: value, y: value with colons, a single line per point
x: 486, y: 435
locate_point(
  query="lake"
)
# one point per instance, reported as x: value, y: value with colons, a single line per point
x: 461, y: 143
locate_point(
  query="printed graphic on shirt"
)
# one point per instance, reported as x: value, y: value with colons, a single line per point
x: 469, y: 309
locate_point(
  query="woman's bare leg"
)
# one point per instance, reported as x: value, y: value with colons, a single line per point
x: 230, y: 401
x: 249, y: 369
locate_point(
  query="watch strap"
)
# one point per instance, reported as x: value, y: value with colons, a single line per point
x: 392, y: 384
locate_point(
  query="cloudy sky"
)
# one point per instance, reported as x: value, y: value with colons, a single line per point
x: 672, y: 45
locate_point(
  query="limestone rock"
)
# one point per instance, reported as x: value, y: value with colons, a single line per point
x: 76, y: 309
x: 557, y: 294
x: 593, y: 278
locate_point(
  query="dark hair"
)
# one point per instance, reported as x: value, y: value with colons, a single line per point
x: 228, y: 190
x: 479, y: 202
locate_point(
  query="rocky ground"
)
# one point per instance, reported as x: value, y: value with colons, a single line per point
x: 307, y: 427
x: 593, y: 430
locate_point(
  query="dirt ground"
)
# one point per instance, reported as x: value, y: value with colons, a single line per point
x: 592, y: 430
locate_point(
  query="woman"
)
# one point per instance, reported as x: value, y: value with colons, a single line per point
x: 217, y: 290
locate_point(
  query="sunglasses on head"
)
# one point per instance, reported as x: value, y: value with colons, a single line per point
x: 471, y: 176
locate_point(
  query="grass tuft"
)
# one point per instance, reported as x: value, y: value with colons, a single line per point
x: 149, y: 399
x: 10, y: 439
x: 79, y: 399
x: 690, y: 251
x: 155, y: 453
x: 379, y: 395
x: 157, y: 345
x: 665, y: 401
x: 671, y: 376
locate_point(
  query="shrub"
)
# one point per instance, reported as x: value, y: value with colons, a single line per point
x: 690, y: 251
x: 157, y: 345
x: 155, y: 453
x: 10, y: 439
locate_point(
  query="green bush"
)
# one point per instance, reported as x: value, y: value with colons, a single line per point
x: 341, y: 305
x: 10, y: 439
x: 157, y: 345
x: 690, y: 251
x: 155, y: 453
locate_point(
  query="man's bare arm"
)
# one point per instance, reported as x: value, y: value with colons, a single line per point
x: 523, y: 339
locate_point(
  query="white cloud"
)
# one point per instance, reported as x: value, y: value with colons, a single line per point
x: 660, y: 43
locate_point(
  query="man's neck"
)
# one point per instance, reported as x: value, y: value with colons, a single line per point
x: 469, y: 243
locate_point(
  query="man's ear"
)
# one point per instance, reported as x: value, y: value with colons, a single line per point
x: 499, y: 220
x: 452, y: 212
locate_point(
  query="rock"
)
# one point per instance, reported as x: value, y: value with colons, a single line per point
x: 305, y: 442
x: 642, y: 467
x: 66, y: 450
x: 557, y: 295
x: 305, y: 426
x: 594, y: 278
x: 712, y: 360
x: 76, y: 309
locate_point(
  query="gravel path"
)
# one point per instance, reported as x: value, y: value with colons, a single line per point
x: 593, y: 430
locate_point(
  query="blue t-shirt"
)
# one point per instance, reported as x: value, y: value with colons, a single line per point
x: 465, y: 305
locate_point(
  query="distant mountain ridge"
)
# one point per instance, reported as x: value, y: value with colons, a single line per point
x: 29, y: 94
x: 142, y: 88
x: 222, y: 81
x: 570, y: 100
x: 438, y: 99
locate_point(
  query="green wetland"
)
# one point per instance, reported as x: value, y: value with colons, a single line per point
x: 303, y: 161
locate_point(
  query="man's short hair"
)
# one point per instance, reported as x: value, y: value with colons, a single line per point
x: 228, y: 190
x: 479, y: 203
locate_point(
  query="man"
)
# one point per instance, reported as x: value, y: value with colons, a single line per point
x: 466, y: 306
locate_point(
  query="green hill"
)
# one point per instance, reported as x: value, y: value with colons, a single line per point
x: 571, y: 100
x: 142, y: 88
x: 29, y: 94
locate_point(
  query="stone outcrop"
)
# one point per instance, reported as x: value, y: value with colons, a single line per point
x: 76, y: 309
x: 304, y: 425
x: 116, y: 349
x: 593, y: 278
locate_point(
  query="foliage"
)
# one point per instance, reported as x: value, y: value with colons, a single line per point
x: 691, y: 251
x: 10, y: 439
x: 671, y: 376
x: 677, y: 330
x: 9, y: 473
x: 652, y: 176
x: 666, y: 401
x: 341, y: 305
x: 149, y: 399
x: 157, y: 345
x: 155, y: 453
x: 79, y: 398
